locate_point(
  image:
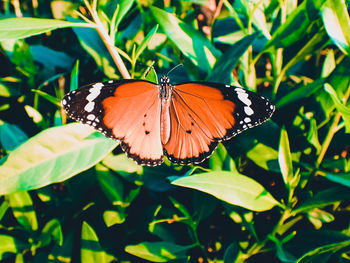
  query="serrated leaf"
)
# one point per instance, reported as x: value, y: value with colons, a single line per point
x: 53, y: 155
x: 14, y: 28
x: 232, y: 188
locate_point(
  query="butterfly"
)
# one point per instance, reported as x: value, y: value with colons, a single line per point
x: 184, y: 122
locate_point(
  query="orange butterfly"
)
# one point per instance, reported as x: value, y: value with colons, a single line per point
x: 184, y: 122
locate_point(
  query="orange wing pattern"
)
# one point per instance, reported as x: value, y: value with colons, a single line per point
x: 186, y: 122
x: 127, y: 110
x: 133, y: 115
x: 203, y: 114
x: 200, y: 117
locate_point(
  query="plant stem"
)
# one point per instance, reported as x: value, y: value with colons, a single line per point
x: 108, y: 42
x: 332, y: 131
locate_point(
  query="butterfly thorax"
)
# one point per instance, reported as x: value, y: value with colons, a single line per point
x: 165, y: 93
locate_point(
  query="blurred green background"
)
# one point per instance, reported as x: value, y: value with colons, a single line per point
x: 276, y: 193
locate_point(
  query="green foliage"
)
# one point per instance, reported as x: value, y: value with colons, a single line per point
x: 276, y: 193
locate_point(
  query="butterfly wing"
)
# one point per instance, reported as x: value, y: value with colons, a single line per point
x: 203, y: 114
x: 127, y: 110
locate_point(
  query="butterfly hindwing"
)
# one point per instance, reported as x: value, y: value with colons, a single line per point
x: 127, y: 110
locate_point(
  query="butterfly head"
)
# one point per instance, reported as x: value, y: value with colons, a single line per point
x: 164, y: 80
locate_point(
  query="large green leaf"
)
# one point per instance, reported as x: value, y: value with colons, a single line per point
x: 54, y: 155
x: 195, y: 46
x: 14, y: 28
x: 337, y: 22
x: 231, y: 187
x: 157, y: 251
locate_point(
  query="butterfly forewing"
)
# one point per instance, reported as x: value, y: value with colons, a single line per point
x: 127, y: 110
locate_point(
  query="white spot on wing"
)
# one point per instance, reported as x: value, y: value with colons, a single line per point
x: 248, y: 110
x: 64, y: 102
x: 94, y: 91
x: 90, y: 106
x: 244, y: 98
x: 247, y: 119
x: 91, y: 117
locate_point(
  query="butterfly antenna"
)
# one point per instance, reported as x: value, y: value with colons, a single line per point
x: 178, y: 65
x: 148, y: 69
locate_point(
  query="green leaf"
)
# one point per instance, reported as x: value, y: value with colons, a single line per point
x: 53, y: 228
x: 300, y: 92
x: 145, y: 42
x: 337, y: 23
x: 323, y: 198
x: 124, y: 7
x: 111, y: 185
x: 22, y: 208
x: 264, y: 156
x: 195, y: 46
x: 345, y: 111
x: 10, y: 246
x: 312, y: 135
x: 11, y: 136
x: 74, y: 77
x: 232, y: 188
x: 122, y: 164
x: 91, y: 250
x: 111, y: 217
x: 285, y: 158
x: 14, y: 28
x: 223, y: 67
x: 158, y: 251
x: 231, y: 252
x: 220, y: 160
x: 299, y: 23
x: 340, y: 178
x: 48, y: 97
x: 322, y: 254
x: 53, y: 155
x: 90, y: 40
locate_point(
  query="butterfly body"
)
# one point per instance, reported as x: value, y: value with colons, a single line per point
x: 185, y: 122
